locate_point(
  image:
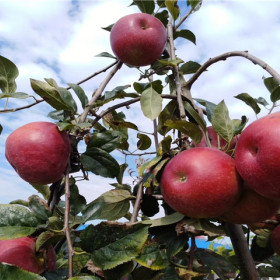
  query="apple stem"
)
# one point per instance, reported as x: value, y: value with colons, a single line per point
x: 247, y: 266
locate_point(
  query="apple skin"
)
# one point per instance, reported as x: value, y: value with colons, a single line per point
x: 201, y: 182
x: 275, y: 240
x: 38, y: 152
x: 251, y: 208
x: 138, y: 39
x: 257, y: 156
x: 21, y: 252
x: 213, y: 137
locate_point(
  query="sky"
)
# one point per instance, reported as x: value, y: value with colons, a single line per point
x: 59, y: 39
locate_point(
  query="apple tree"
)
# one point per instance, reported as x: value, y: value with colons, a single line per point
x: 205, y: 173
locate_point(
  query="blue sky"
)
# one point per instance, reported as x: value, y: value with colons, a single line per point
x: 59, y: 39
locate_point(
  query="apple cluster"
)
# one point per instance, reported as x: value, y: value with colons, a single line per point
x: 205, y: 182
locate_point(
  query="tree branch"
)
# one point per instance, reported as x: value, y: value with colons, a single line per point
x: 66, y: 229
x: 247, y: 266
x: 21, y: 108
x: 95, y: 74
x: 224, y: 56
x: 175, y: 69
x: 99, y: 91
x: 138, y: 200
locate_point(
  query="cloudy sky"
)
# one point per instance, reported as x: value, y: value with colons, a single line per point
x: 59, y: 39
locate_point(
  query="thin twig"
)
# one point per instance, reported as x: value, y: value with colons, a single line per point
x: 136, y: 207
x: 224, y: 56
x: 175, y: 69
x: 96, y: 73
x: 184, y: 18
x: 21, y: 108
x: 99, y: 91
x: 66, y: 228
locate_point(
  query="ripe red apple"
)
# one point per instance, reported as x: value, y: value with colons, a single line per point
x: 275, y: 240
x: 217, y: 142
x: 38, y: 152
x: 251, y: 208
x: 257, y: 156
x: 201, y: 182
x: 138, y: 39
x: 21, y: 252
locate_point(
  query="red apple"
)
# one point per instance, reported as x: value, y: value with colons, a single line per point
x: 275, y: 240
x: 138, y: 39
x: 201, y: 182
x: 21, y: 252
x: 38, y: 152
x: 217, y: 142
x: 257, y: 156
x: 251, y: 208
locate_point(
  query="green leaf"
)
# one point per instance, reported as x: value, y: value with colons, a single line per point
x: 65, y: 126
x: 48, y: 237
x: 222, y: 123
x: 189, y: 67
x: 186, y: 34
x: 239, y: 124
x: 9, y: 272
x: 100, y: 163
x: 262, y: 101
x: 108, y: 28
x: 107, y: 140
x: 50, y: 94
x: 163, y: 16
x: 271, y: 84
x: 195, y: 115
x: 68, y: 99
x: 275, y: 95
x: 215, y: 262
x: 166, y: 220
x: 193, y: 3
x: 144, y: 141
x: 165, y: 145
x: 19, y: 95
x: 80, y: 93
x: 122, y: 170
x: 106, y: 54
x: 170, y: 112
x: 8, y: 74
x: 16, y: 215
x: 249, y: 100
x: 12, y: 232
x: 122, y: 250
x: 60, y: 115
x: 39, y: 207
x: 268, y: 271
x: 111, y: 205
x: 119, y: 271
x: 173, y: 8
x: 153, y: 257
x: 77, y: 201
x: 209, y: 106
x: 170, y: 62
x: 188, y: 128
x: 151, y: 103
x: 148, y: 164
x: 145, y: 6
